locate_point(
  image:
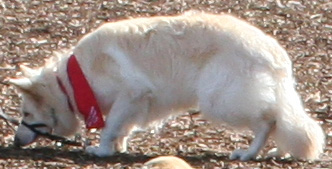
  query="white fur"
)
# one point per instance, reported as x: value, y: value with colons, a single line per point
x: 143, y: 70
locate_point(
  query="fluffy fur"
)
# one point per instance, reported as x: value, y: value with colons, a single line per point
x: 143, y: 70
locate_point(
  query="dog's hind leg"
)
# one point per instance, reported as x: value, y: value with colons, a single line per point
x: 128, y: 110
x: 261, y: 135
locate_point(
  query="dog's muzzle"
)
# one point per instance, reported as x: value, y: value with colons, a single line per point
x: 27, y: 133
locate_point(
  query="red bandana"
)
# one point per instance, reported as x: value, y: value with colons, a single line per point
x: 85, y: 99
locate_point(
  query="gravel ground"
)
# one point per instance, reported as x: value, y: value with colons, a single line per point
x: 31, y: 29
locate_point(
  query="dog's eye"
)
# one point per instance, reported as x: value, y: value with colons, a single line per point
x: 26, y: 114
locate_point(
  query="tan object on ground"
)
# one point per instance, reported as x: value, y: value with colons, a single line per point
x: 167, y: 162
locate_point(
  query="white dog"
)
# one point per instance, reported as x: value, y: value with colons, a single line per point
x: 138, y: 71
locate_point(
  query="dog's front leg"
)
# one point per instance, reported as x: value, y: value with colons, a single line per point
x: 124, y: 114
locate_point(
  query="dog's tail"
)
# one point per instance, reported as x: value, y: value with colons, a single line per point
x: 296, y: 133
x: 167, y: 162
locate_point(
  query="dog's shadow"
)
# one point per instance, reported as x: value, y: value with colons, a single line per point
x: 76, y: 156
x: 80, y: 157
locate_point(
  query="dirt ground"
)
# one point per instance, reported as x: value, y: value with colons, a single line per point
x: 31, y: 29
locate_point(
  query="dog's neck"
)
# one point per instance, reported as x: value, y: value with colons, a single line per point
x: 83, y: 95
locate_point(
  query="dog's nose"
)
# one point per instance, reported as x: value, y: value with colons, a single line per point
x: 17, y: 142
x: 23, y: 140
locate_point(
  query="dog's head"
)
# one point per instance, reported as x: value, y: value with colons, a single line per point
x: 44, y: 106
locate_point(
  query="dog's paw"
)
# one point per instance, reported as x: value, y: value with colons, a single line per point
x: 121, y: 147
x: 273, y: 153
x: 243, y: 155
x: 98, y: 151
x: 276, y: 153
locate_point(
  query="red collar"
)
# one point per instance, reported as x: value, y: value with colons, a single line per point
x: 84, y: 97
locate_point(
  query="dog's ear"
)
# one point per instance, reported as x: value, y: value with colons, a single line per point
x: 52, y: 61
x: 21, y: 83
x: 28, y: 72
x: 27, y: 86
x: 24, y: 83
